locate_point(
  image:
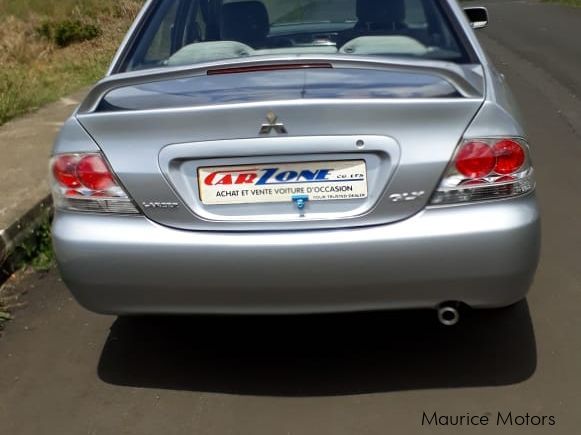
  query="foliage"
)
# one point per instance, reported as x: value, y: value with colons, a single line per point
x: 66, y: 32
x: 35, y: 249
x: 51, y: 48
x: 38, y: 248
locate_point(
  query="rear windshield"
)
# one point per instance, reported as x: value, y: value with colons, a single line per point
x: 186, y: 32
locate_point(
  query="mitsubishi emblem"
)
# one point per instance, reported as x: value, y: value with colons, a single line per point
x: 273, y: 124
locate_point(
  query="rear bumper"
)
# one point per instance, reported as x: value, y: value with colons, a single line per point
x: 482, y: 254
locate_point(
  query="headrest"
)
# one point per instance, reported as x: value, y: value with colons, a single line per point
x: 381, y: 11
x: 245, y: 22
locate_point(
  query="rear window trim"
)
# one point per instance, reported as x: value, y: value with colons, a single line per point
x: 130, y: 47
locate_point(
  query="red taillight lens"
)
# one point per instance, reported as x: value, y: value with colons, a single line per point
x: 84, y: 182
x: 487, y: 168
x: 65, y: 171
x: 475, y: 160
x: 510, y: 157
x: 74, y: 171
x: 93, y: 173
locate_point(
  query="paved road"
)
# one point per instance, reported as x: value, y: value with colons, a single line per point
x: 65, y: 371
x: 547, y: 35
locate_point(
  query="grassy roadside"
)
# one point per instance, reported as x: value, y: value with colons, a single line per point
x: 50, y: 48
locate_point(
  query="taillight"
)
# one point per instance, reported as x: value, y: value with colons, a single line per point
x: 84, y: 182
x: 475, y: 160
x: 94, y: 174
x: 64, y: 171
x: 510, y: 156
x: 489, y: 168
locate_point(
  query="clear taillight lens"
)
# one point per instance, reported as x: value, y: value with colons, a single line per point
x: 489, y: 168
x: 84, y: 182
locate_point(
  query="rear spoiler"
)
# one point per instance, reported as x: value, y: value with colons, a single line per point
x: 448, y: 71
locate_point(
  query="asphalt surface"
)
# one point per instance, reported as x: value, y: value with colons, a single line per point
x: 66, y: 371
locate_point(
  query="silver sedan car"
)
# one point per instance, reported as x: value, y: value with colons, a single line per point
x: 276, y: 156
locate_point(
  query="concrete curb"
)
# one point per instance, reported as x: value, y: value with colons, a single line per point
x: 22, y: 227
x: 25, y: 149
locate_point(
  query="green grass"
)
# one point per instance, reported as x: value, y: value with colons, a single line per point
x: 36, y: 250
x: 57, y: 8
x: 51, y: 48
x: 25, y: 87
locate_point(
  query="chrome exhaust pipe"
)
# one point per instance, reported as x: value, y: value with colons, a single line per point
x: 448, y: 314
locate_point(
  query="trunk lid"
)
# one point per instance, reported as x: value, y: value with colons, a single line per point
x: 370, y: 144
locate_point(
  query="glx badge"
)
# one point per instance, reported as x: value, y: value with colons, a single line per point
x: 406, y: 196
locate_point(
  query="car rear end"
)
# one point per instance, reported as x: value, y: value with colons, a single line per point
x: 377, y: 174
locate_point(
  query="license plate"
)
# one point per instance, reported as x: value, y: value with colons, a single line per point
x: 284, y: 182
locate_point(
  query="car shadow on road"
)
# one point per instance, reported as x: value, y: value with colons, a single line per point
x: 320, y: 355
